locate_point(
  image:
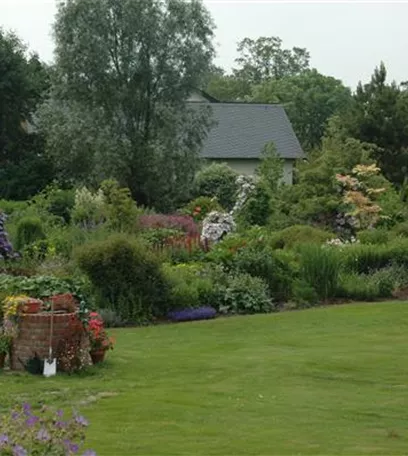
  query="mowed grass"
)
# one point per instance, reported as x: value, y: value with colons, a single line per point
x: 325, y: 381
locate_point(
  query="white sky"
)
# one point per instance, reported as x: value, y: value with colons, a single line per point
x: 345, y: 39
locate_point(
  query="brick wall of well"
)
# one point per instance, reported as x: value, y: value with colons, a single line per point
x: 34, y: 333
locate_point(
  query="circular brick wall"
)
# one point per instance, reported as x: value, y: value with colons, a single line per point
x: 34, y: 335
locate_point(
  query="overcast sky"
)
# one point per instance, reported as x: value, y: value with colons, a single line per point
x: 345, y: 39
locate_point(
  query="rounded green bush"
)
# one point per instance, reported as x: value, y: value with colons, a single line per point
x: 126, y: 276
x: 299, y: 234
x: 29, y: 230
x: 276, y: 271
x: 218, y: 180
x: 245, y: 294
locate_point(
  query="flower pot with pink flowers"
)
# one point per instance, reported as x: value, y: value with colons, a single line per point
x: 99, y: 338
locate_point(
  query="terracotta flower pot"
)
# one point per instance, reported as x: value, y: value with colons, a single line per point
x: 32, y: 306
x: 97, y: 356
x: 65, y: 302
x: 2, y: 360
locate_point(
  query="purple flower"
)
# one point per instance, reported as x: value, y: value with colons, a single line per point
x: 26, y: 408
x: 60, y: 413
x: 15, y: 415
x: 73, y: 448
x: 19, y: 451
x: 89, y: 453
x: 32, y: 420
x: 43, y: 435
x: 3, y: 440
x: 60, y: 424
x: 81, y: 420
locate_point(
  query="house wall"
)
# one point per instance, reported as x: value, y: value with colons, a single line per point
x: 195, y: 96
x: 249, y: 166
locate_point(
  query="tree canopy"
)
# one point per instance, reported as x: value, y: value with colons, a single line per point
x: 23, y: 81
x: 123, y: 72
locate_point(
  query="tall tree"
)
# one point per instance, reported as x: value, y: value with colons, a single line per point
x: 310, y: 99
x: 124, y: 70
x: 24, y: 170
x: 264, y: 59
x: 379, y: 115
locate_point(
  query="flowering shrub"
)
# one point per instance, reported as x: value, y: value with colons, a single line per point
x: 97, y: 334
x: 47, y: 433
x: 246, y: 186
x: 217, y: 225
x: 336, y: 242
x: 179, y: 222
x: 6, y: 249
x: 360, y: 194
x: 12, y: 306
x: 200, y: 207
x: 89, y: 208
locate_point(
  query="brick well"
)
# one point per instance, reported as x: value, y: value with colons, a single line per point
x: 34, y: 333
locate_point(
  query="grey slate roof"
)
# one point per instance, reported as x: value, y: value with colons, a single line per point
x: 243, y: 129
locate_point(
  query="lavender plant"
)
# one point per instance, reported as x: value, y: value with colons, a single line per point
x: 6, y: 249
x: 47, y: 433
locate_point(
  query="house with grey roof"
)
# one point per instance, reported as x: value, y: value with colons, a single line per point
x: 241, y: 131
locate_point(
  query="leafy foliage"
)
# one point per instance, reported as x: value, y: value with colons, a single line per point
x: 119, y: 109
x: 46, y: 432
x: 272, y: 267
x: 310, y: 99
x: 200, y: 207
x: 24, y: 170
x: 320, y: 268
x: 299, y: 234
x: 245, y: 294
x: 126, y: 276
x: 264, y: 59
x: 29, y: 230
x: 190, y: 286
x: 379, y: 115
x: 217, y: 180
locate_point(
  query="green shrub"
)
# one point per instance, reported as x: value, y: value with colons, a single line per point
x: 158, y: 236
x: 368, y: 287
x: 111, y: 319
x: 121, y: 209
x: 304, y: 295
x: 375, y: 236
x: 61, y: 203
x: 29, y: 230
x: 276, y: 271
x: 89, y: 209
x: 13, y: 207
x: 43, y: 286
x: 400, y: 230
x: 364, y: 259
x: 244, y: 294
x: 223, y: 252
x: 217, y: 180
x: 257, y: 209
x: 190, y: 286
x: 126, y: 276
x: 320, y: 267
x: 299, y: 234
x: 200, y: 207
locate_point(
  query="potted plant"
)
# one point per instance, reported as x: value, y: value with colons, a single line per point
x: 31, y: 306
x: 64, y: 301
x: 5, y: 344
x: 98, y: 337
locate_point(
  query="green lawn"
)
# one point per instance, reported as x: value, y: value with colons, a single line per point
x: 324, y: 381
